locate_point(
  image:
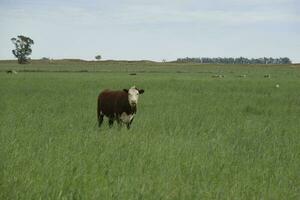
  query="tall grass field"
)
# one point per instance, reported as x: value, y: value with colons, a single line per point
x: 194, y: 136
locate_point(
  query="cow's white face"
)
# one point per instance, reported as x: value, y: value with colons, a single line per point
x: 133, y: 95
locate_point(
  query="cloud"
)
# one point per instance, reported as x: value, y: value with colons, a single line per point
x: 156, y: 14
x: 145, y: 12
x: 150, y: 14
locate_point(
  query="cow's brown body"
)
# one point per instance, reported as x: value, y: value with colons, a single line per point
x: 113, y: 104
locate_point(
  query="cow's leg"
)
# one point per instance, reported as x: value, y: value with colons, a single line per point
x: 118, y: 119
x: 111, y: 122
x: 100, y: 119
x: 119, y: 122
x: 128, y: 124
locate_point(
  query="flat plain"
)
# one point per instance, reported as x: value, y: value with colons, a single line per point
x: 194, y: 136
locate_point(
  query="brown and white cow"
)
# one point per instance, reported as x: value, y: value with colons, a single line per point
x: 118, y: 105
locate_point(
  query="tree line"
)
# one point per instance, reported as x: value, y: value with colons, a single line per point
x: 23, y: 50
x: 239, y: 60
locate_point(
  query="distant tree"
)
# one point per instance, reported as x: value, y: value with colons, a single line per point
x: 164, y: 60
x: 45, y: 59
x: 286, y: 60
x: 239, y: 60
x: 23, y: 48
x: 98, y: 57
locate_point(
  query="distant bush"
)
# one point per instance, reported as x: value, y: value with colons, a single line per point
x: 98, y: 57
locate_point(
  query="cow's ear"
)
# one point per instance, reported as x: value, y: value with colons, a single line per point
x: 141, y: 91
x: 125, y: 90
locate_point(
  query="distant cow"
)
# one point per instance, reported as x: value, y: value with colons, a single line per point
x: 217, y: 76
x: 11, y: 72
x: 243, y: 76
x: 118, y: 105
x: 267, y: 75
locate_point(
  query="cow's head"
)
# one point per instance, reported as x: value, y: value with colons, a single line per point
x: 133, y: 95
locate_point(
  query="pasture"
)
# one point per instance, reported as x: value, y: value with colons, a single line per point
x: 194, y: 136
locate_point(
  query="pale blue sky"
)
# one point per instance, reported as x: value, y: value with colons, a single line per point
x: 153, y: 29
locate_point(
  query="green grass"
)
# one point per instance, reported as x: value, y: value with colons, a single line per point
x: 194, y: 137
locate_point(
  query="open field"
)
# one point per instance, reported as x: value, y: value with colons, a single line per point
x: 142, y: 67
x: 194, y: 136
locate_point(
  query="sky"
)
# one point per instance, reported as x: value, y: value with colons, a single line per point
x: 152, y: 29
